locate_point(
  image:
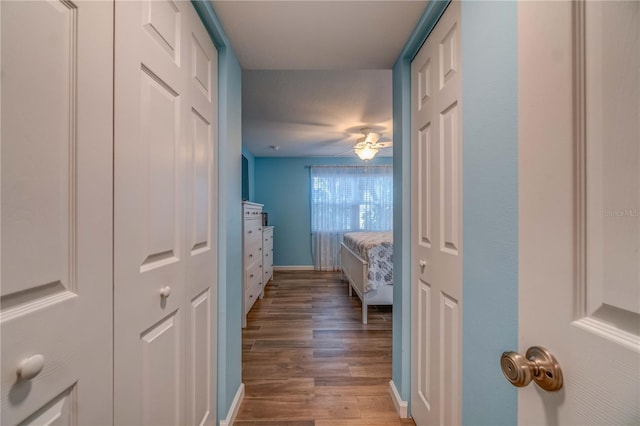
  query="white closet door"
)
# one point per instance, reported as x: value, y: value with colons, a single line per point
x: 201, y: 252
x: 56, y: 305
x: 165, y: 216
x: 436, y: 268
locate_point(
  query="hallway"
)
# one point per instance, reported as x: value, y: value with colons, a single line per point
x: 307, y: 359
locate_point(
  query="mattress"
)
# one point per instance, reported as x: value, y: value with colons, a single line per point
x: 375, y: 248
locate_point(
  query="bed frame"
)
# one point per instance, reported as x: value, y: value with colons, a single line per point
x: 356, y: 270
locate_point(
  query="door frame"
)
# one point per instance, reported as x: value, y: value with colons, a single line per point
x: 400, y: 385
x: 490, y: 265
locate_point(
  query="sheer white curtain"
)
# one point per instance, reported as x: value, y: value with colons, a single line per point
x: 346, y: 199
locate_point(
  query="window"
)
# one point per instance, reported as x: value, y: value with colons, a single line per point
x: 346, y: 199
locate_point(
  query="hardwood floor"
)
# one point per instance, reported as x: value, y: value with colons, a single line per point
x: 308, y: 360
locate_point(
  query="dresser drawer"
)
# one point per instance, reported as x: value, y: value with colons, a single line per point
x: 251, y: 295
x: 267, y: 257
x: 252, y: 229
x: 252, y: 252
x: 267, y: 235
x: 251, y: 211
x: 253, y: 275
x: 267, y: 254
x: 268, y: 273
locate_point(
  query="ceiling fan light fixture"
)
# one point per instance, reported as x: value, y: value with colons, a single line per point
x: 366, y: 153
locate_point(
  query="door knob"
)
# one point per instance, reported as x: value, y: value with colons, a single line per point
x: 165, y: 292
x: 30, y: 367
x: 538, y: 365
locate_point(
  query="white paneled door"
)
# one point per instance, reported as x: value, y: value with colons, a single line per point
x: 57, y: 121
x: 579, y: 202
x: 436, y: 223
x: 165, y: 215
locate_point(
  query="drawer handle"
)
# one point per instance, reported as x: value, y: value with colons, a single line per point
x: 251, y: 276
x: 259, y: 229
x: 250, y: 232
x: 251, y: 296
x: 260, y: 249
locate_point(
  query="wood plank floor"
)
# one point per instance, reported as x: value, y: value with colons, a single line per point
x: 308, y: 360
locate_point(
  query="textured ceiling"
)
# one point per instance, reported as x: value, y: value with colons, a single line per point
x: 313, y: 113
x: 304, y: 35
x: 315, y: 72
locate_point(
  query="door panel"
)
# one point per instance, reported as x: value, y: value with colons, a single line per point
x: 425, y: 196
x: 612, y: 145
x: 57, y: 210
x: 161, y: 19
x: 200, y: 368
x: 149, y: 215
x: 59, y: 411
x: 162, y: 372
x: 45, y: 237
x: 449, y: 167
x: 165, y: 215
x: 424, y: 385
x: 160, y: 126
x: 579, y: 197
x: 437, y: 221
x: 201, y: 224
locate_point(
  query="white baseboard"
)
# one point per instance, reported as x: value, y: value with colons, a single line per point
x: 293, y: 268
x: 235, y: 406
x: 402, y: 407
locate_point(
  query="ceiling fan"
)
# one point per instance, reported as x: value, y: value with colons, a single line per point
x: 367, y: 147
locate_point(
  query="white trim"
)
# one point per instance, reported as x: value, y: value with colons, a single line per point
x: 235, y: 406
x: 293, y: 268
x: 402, y: 407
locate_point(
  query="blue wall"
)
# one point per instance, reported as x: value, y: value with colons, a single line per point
x: 401, y: 325
x: 229, y: 314
x: 490, y: 188
x: 282, y: 185
x: 229, y: 372
x: 490, y: 200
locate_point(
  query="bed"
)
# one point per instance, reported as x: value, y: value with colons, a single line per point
x: 367, y: 263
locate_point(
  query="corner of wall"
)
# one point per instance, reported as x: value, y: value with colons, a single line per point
x: 402, y: 407
x: 401, y: 348
x: 234, y: 408
x: 490, y: 209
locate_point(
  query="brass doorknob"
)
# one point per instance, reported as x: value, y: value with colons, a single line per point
x: 538, y: 365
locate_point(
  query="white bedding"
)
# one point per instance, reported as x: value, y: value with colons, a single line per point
x: 375, y: 248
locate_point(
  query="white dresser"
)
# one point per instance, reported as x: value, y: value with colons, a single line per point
x: 267, y: 254
x: 253, y: 255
